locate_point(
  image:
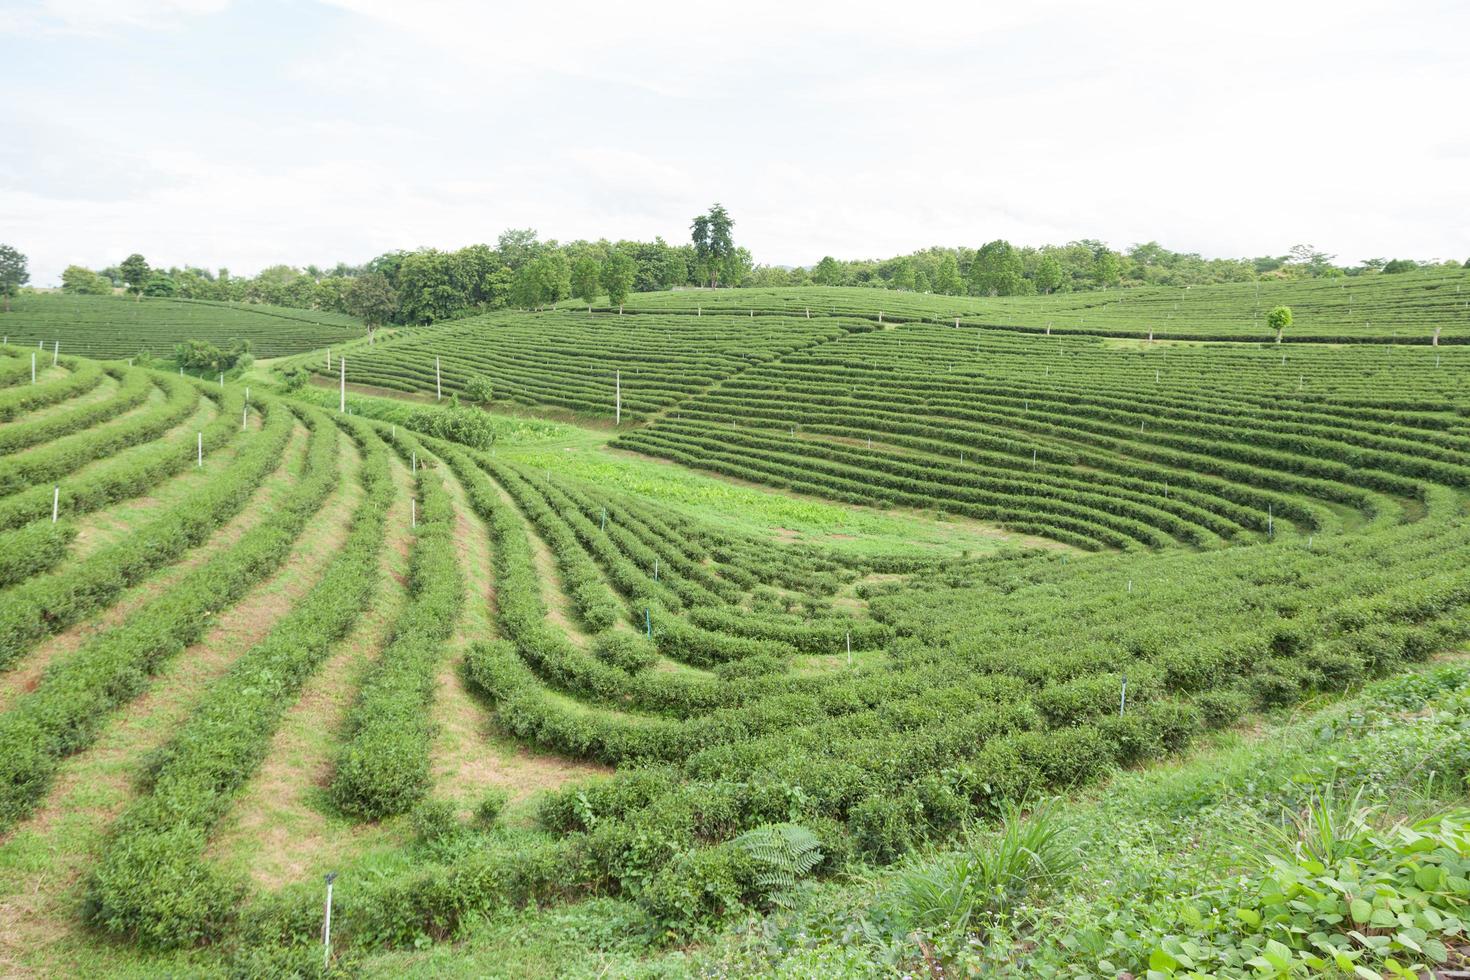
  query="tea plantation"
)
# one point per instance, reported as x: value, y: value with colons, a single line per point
x: 247, y: 639
x: 123, y: 327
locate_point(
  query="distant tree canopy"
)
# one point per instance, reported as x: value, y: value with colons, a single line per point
x: 13, y: 273
x: 522, y: 270
x: 134, y: 271
x: 617, y: 278
x: 1279, y: 318
x: 81, y: 281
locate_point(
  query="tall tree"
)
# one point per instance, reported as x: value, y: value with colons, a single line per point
x: 370, y: 298
x: 947, y: 276
x: 1106, y: 268
x: 586, y: 279
x: 13, y: 273
x: 996, y: 270
x: 827, y: 272
x: 617, y: 277
x: 1048, y: 274
x: 699, y: 234
x: 134, y: 271
x: 714, y: 244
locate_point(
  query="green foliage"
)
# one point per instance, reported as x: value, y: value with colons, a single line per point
x: 435, y: 822
x: 135, y: 272
x: 479, y: 389
x: 84, y: 282
x: 491, y: 805
x: 383, y: 767
x: 617, y: 278
x: 1279, y: 318
x: 782, y: 853
x: 206, y: 358
x: 996, y: 270
x: 586, y: 279
x: 371, y: 298
x: 463, y: 425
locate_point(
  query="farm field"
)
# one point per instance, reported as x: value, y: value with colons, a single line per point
x: 1400, y: 308
x: 830, y: 599
x: 122, y: 327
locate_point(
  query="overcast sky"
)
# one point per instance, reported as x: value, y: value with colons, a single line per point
x: 249, y: 133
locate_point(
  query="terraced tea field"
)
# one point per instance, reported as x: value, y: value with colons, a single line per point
x: 121, y: 327
x: 831, y: 590
x: 1400, y: 308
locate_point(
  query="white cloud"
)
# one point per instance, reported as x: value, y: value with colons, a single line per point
x: 852, y: 129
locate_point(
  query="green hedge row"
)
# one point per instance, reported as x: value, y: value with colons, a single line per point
x: 154, y: 884
x: 383, y: 767
x: 78, y: 693
x: 51, y: 603
x: 133, y: 387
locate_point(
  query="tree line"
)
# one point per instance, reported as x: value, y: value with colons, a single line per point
x: 522, y: 271
x: 999, y: 268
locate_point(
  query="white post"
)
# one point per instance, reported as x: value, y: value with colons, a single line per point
x: 200, y: 448
x: 1123, y: 698
x: 327, y: 924
x: 55, y: 503
x: 33, y: 368
x: 1130, y: 586
x: 414, y: 455
x: 56, y: 351
x: 618, y: 397
x: 329, y: 358
x: 413, y: 512
x: 849, y: 648
x: 244, y: 417
x: 438, y: 387
x: 655, y: 569
x: 222, y: 380
x: 342, y: 381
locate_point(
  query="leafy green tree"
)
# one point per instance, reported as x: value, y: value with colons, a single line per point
x: 699, y: 234
x: 947, y: 276
x: 827, y: 272
x: 81, y: 281
x: 904, y: 274
x: 1048, y: 276
x: 497, y: 287
x: 430, y: 287
x: 160, y: 284
x: 1310, y: 260
x: 1401, y: 265
x: 370, y: 298
x: 1107, y: 270
x: 586, y: 280
x: 617, y: 278
x: 1373, y: 265
x: 134, y: 271
x: 996, y: 270
x: 1279, y: 318
x: 518, y: 246
x: 13, y: 273
x: 714, y: 244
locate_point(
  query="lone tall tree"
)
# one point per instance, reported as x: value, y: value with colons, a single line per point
x: 714, y: 246
x: 586, y: 279
x: 617, y: 277
x: 135, y: 271
x: 13, y: 274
